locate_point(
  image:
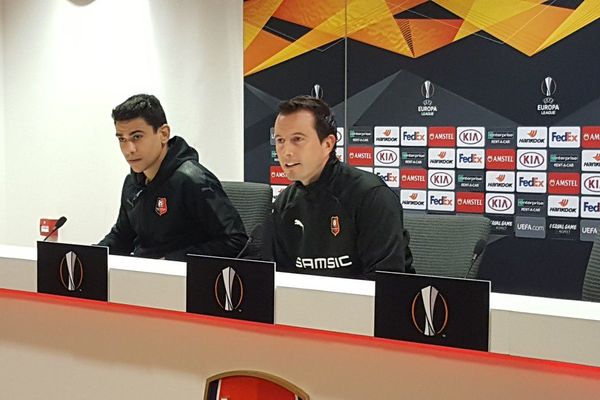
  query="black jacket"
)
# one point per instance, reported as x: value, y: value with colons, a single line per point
x: 346, y: 224
x: 182, y: 210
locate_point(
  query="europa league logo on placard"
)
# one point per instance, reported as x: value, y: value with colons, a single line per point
x: 71, y: 271
x: 229, y: 289
x: 317, y: 91
x: 429, y: 311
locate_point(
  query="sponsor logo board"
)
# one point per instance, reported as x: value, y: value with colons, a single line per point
x: 386, y: 136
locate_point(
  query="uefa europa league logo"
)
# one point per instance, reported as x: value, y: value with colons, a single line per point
x: 427, y: 318
x: 229, y: 289
x: 71, y: 271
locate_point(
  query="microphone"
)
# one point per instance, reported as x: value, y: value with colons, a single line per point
x: 59, y: 222
x: 255, y: 232
x: 477, y: 251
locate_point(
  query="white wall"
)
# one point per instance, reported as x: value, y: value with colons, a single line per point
x: 2, y: 156
x: 66, y: 66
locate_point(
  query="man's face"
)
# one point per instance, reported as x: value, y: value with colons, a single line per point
x: 142, y: 146
x: 301, y: 154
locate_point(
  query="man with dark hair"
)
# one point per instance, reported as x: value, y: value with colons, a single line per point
x: 334, y: 220
x: 171, y: 205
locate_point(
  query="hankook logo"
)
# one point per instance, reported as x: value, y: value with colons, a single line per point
x: 229, y: 289
x: 71, y: 271
x: 429, y: 311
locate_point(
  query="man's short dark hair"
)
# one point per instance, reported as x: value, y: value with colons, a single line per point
x: 143, y: 106
x: 324, y: 119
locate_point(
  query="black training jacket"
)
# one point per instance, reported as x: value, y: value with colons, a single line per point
x: 182, y: 210
x: 346, y: 224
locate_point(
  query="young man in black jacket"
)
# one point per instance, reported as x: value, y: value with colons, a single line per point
x: 334, y: 220
x: 170, y: 204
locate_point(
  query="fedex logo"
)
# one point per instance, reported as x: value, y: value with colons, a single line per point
x: 565, y: 136
x: 470, y: 136
x: 440, y: 201
x: 590, y: 207
x: 470, y: 158
x: 391, y: 176
x: 532, y: 159
x: 501, y: 203
x: 531, y: 182
x: 414, y: 136
x: 440, y: 179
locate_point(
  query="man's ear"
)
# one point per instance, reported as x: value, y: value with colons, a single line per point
x: 330, y: 141
x: 165, y: 133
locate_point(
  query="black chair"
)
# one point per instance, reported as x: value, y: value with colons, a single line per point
x: 591, y: 280
x: 443, y: 245
x: 253, y: 201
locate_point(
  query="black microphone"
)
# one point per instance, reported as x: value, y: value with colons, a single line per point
x: 479, y: 248
x: 255, y: 232
x: 59, y: 222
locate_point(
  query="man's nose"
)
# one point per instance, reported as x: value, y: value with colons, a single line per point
x: 129, y: 147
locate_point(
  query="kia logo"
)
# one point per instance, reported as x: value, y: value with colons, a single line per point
x: 499, y: 203
x: 441, y: 179
x: 470, y: 136
x: 531, y: 159
x: 592, y: 183
x: 386, y: 157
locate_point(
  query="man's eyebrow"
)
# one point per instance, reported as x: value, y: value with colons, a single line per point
x: 129, y: 134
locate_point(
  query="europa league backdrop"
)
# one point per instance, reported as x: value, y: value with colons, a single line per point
x: 470, y: 106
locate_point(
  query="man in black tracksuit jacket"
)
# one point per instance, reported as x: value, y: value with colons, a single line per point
x: 334, y: 220
x: 170, y: 204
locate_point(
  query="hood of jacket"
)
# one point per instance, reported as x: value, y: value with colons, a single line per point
x: 178, y: 153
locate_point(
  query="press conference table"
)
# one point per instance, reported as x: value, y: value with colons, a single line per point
x: 142, y: 345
